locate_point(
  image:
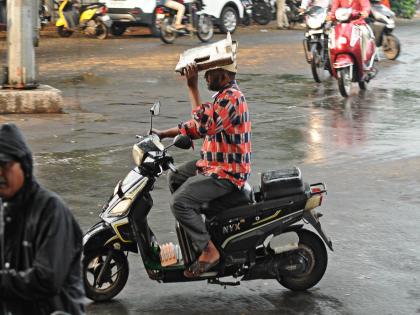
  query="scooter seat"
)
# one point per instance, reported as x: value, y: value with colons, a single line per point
x: 244, y: 196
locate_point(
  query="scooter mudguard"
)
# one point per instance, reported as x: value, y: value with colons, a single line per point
x: 343, y: 61
x: 102, y: 235
x: 87, y: 15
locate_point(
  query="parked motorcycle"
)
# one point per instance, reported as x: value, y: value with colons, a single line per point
x: 44, y: 14
x: 345, y: 48
x: 315, y: 43
x: 196, y: 21
x: 293, y: 13
x: 262, y: 11
x: 383, y: 25
x: 247, y: 4
x: 91, y: 19
x: 259, y: 236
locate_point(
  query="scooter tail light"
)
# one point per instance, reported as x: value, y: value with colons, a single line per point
x: 104, y: 10
x: 160, y: 11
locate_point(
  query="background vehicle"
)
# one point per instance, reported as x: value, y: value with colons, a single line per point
x: 262, y: 11
x: 383, y: 25
x: 247, y: 4
x: 315, y: 43
x: 132, y: 13
x: 227, y: 13
x: 91, y: 19
x: 202, y: 24
x: 292, y: 12
x: 259, y: 235
x: 345, y: 50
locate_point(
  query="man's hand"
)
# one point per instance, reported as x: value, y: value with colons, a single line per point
x: 168, y: 133
x: 191, y: 73
x: 157, y: 132
x: 364, y: 15
x: 329, y: 18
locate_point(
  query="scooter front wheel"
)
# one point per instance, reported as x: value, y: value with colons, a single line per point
x: 344, y: 81
x: 315, y: 255
x: 105, y: 274
x: 205, y: 28
x: 63, y: 32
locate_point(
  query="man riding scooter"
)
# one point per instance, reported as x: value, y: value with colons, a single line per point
x: 225, y: 162
x: 362, y: 6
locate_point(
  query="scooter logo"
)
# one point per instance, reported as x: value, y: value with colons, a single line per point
x: 230, y: 228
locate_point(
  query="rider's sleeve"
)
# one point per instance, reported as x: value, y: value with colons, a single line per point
x: 189, y: 128
x: 334, y: 6
x: 365, y: 6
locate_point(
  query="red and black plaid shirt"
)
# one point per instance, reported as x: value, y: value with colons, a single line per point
x: 226, y: 129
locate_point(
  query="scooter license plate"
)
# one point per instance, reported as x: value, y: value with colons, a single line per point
x: 160, y: 16
x: 105, y: 18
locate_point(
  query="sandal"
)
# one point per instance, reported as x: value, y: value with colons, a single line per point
x: 199, y: 267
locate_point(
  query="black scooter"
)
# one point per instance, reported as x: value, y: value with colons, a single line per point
x: 259, y: 236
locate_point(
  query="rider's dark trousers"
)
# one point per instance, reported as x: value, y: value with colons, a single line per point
x: 189, y: 192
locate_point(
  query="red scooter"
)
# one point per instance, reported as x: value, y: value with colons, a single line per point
x: 345, y: 48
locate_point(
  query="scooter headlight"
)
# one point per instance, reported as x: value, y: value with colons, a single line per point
x: 121, y: 208
x: 138, y: 155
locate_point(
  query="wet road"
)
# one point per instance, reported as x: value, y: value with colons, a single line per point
x: 366, y: 149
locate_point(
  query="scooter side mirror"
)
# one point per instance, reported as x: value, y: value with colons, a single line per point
x: 182, y: 142
x: 155, y: 110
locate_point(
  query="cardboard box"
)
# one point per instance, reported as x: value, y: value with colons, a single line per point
x: 218, y: 54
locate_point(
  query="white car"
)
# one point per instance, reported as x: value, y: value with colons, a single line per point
x: 125, y: 13
x: 227, y: 13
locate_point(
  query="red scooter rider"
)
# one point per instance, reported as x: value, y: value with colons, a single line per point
x: 362, y: 6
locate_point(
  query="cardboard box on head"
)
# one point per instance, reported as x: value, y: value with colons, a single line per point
x: 221, y: 54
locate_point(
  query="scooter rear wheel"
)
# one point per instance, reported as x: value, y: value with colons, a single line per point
x: 167, y: 35
x: 315, y: 254
x: 391, y: 46
x: 114, y: 274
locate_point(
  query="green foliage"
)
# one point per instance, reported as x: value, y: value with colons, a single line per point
x: 404, y: 8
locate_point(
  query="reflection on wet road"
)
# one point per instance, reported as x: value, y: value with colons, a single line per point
x: 365, y: 147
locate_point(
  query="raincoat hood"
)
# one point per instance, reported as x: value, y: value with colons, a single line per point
x: 12, y: 143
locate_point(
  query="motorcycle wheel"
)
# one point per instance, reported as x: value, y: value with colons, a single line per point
x: 205, y: 30
x: 114, y: 276
x: 315, y: 254
x: 102, y: 31
x: 117, y: 30
x: 166, y: 35
x: 63, y: 32
x: 261, y: 13
x: 344, y: 81
x: 391, y: 46
x: 363, y: 85
x: 318, y: 65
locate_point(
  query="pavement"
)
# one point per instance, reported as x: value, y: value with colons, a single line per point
x: 365, y: 148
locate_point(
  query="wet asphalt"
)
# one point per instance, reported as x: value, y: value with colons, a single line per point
x: 365, y: 148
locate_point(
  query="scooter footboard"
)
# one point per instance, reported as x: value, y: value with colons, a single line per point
x: 102, y: 235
